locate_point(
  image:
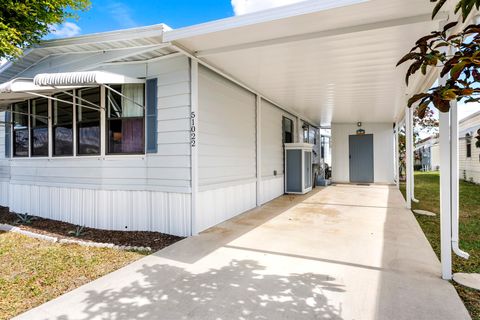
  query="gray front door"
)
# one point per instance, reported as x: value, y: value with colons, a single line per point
x: 361, y: 158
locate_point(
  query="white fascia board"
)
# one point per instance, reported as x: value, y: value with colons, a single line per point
x: 257, y: 17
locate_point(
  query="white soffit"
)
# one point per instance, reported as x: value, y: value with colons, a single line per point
x: 85, y: 78
x: 334, y: 64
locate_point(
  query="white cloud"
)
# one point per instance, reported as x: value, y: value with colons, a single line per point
x: 68, y: 29
x: 247, y: 6
x: 122, y: 14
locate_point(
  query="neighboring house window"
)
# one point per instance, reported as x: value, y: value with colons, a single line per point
x: 39, y: 127
x: 62, y: 126
x: 20, y: 129
x: 125, y: 119
x: 469, y: 145
x: 88, y: 122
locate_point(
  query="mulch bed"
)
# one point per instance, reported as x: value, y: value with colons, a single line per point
x: 154, y: 240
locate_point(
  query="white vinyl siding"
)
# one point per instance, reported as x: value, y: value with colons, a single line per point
x: 226, y: 131
x: 141, y: 192
x: 469, y: 168
x: 272, y: 139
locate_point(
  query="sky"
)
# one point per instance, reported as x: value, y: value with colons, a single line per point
x: 107, y: 15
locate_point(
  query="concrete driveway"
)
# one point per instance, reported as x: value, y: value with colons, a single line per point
x: 342, y: 252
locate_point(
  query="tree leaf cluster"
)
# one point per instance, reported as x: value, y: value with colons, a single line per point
x: 25, y: 22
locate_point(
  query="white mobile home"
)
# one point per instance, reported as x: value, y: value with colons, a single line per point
x: 469, y: 153
x: 178, y: 130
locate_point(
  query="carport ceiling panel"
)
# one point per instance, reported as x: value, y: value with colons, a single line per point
x: 343, y: 78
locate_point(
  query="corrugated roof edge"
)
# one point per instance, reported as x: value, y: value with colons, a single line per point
x: 257, y: 17
x: 113, y: 35
x: 122, y: 34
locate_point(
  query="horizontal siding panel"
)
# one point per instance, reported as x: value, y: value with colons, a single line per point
x: 165, y: 67
x: 173, y: 89
x: 182, y: 75
x: 173, y: 137
x: 174, y: 125
x: 182, y: 112
x: 179, y: 100
x: 179, y: 149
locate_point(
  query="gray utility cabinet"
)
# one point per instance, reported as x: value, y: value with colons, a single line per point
x: 298, y: 168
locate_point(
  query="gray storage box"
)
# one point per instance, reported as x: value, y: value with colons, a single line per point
x: 298, y: 168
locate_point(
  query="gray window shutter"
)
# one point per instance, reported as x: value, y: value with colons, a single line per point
x: 151, y: 115
x: 8, y: 134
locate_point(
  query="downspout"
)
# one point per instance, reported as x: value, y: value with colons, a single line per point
x: 454, y: 180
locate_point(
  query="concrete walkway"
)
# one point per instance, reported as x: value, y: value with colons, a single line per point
x: 342, y: 252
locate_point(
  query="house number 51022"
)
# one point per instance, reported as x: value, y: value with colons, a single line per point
x: 193, y: 130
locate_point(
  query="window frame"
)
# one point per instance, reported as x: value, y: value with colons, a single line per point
x: 54, y: 126
x: 27, y: 129
x: 109, y: 119
x: 77, y: 127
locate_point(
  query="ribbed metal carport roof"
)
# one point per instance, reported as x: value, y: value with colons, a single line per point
x: 332, y: 60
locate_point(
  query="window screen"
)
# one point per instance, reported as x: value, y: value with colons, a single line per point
x: 88, y: 122
x: 125, y: 119
x: 39, y: 127
x: 62, y: 126
x: 20, y: 130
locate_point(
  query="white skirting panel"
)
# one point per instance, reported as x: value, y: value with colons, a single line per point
x: 218, y: 205
x: 4, y: 192
x: 105, y: 209
x: 272, y: 188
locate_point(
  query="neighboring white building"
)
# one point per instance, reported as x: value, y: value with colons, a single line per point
x: 427, y: 154
x: 178, y: 130
x: 469, y: 154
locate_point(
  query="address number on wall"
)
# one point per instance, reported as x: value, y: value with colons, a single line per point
x: 193, y: 129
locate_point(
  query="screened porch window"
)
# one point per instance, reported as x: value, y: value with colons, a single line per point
x: 20, y: 129
x: 62, y: 125
x: 88, y: 122
x: 125, y: 119
x: 39, y: 127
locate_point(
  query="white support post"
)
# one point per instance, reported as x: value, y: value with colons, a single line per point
x: 408, y: 157
x: 50, y: 119
x: 74, y: 122
x: 445, y: 197
x: 259, y: 150
x: 194, y: 143
x: 454, y: 180
x: 103, y: 122
x: 397, y: 157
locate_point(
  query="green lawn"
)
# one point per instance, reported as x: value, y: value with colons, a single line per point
x: 33, y: 271
x: 427, y: 191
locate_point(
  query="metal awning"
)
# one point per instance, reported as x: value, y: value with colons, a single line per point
x: 46, y: 84
x: 79, y: 79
